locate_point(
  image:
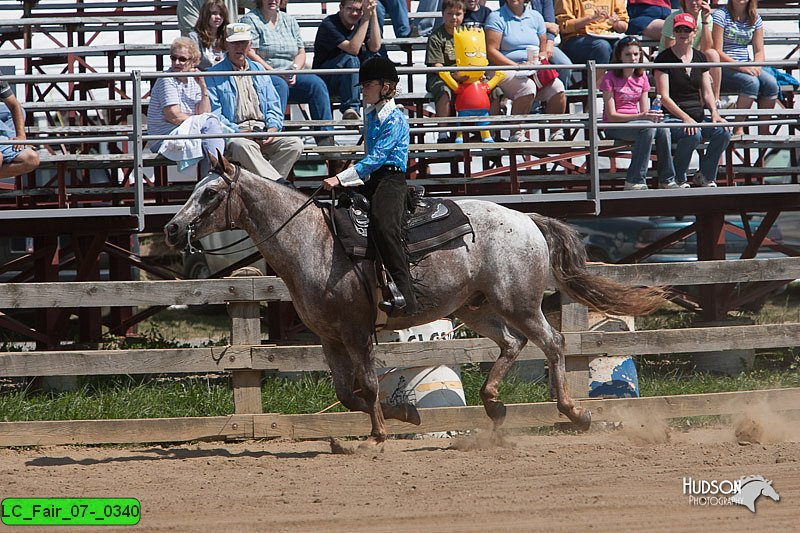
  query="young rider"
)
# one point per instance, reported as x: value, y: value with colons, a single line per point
x: 382, y: 172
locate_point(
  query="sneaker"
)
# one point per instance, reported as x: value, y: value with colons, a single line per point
x: 520, y: 136
x: 350, y: 114
x: 635, y: 186
x: 557, y: 135
x: 669, y: 185
x: 701, y: 181
x: 684, y: 185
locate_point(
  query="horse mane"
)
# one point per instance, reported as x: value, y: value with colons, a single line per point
x: 748, y: 479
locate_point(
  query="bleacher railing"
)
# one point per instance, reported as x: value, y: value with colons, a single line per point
x: 136, y: 139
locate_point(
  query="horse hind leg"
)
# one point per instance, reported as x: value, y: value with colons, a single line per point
x: 551, y: 342
x: 488, y: 323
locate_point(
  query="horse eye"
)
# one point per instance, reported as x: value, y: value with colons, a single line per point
x: 209, y: 194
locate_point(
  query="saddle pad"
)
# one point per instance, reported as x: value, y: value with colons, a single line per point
x: 426, y: 235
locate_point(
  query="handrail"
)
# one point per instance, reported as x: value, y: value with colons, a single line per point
x: 590, y: 123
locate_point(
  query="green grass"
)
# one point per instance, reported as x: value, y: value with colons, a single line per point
x: 157, y: 397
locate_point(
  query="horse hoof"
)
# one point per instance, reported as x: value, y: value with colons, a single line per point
x: 371, y: 445
x: 497, y: 412
x: 583, y: 420
x: 412, y: 415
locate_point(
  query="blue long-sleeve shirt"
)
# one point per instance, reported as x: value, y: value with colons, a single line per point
x: 223, y: 95
x: 387, y: 138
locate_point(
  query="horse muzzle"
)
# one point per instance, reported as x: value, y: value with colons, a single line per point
x: 176, y: 235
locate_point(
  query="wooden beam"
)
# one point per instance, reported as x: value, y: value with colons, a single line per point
x: 102, y: 362
x: 125, y: 431
x: 357, y: 424
x: 269, y: 288
x: 144, y: 293
x: 305, y: 358
x: 246, y: 329
x: 523, y: 415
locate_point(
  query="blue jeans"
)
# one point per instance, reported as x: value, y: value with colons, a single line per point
x: 398, y: 12
x: 560, y: 58
x: 763, y: 86
x: 309, y: 89
x: 641, y: 15
x: 425, y: 26
x: 640, y: 153
x: 718, y: 139
x: 582, y: 48
x: 282, y: 88
x: 343, y: 85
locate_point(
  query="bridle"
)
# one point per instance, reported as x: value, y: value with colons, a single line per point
x: 230, y: 224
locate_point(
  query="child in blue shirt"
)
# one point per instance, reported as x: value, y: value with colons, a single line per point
x: 382, y: 173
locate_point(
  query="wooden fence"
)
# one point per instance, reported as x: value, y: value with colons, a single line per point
x: 246, y: 358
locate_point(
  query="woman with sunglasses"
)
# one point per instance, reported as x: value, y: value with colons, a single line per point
x: 277, y: 44
x: 700, y: 10
x: 625, y: 100
x: 180, y: 106
x: 209, y: 33
x: 685, y: 95
x: 736, y: 26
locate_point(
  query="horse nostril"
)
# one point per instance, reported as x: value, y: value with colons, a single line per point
x: 172, y: 228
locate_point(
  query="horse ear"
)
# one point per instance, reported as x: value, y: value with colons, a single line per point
x: 213, y: 160
x: 226, y: 166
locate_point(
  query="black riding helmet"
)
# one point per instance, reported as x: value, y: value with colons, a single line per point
x: 377, y: 68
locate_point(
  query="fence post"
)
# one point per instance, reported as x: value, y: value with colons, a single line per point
x: 246, y: 329
x: 575, y: 317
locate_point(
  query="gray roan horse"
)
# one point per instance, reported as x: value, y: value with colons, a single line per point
x: 492, y: 282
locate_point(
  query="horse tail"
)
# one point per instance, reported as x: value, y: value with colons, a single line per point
x: 568, y: 263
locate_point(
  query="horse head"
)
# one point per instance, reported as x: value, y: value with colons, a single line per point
x: 212, y: 207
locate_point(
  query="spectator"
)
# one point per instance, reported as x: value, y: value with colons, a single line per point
x: 736, y: 26
x: 625, y: 100
x: 343, y: 41
x: 440, y: 52
x: 277, y: 45
x: 583, y: 25
x: 475, y: 13
x: 554, y: 54
x: 509, y: 32
x: 189, y: 11
x: 683, y: 95
x: 209, y: 33
x: 180, y: 106
x: 703, y: 40
x: 398, y: 13
x: 251, y: 104
x: 17, y: 159
x: 647, y: 17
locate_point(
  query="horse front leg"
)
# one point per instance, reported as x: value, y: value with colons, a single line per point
x: 359, y: 351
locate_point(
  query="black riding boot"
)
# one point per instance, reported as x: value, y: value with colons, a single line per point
x: 387, y: 210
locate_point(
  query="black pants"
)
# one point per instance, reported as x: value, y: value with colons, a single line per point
x: 388, y: 195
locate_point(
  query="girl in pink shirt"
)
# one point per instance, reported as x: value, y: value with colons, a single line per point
x: 625, y: 100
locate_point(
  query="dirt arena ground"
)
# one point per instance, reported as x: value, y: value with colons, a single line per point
x: 606, y: 480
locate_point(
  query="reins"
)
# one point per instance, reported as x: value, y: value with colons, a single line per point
x: 231, y: 225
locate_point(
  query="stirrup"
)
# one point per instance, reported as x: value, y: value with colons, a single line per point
x: 396, y: 301
x: 392, y: 306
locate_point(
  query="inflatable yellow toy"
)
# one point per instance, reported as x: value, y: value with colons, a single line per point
x: 472, y: 96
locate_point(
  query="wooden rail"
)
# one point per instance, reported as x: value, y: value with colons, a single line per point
x: 246, y: 357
